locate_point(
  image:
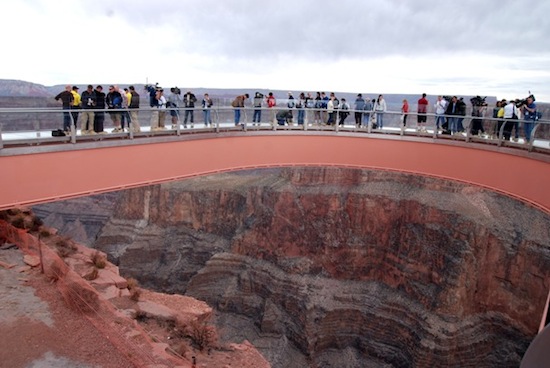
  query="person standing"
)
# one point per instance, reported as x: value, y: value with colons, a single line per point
x: 66, y: 98
x: 317, y: 106
x: 238, y: 104
x: 510, y: 119
x: 172, y: 103
x: 125, y: 115
x: 359, y: 106
x: 404, y: 112
x: 87, y: 117
x: 452, y: 112
x: 380, y: 108
x: 271, y: 103
x: 133, y: 106
x: 440, y: 107
x: 189, y: 100
x: 461, y: 113
x: 207, y: 109
x: 529, y: 116
x: 114, y: 102
x: 300, y: 106
x: 158, y: 112
x: 369, y: 105
x: 344, y: 111
x: 99, y: 116
x: 75, y: 105
x: 258, y: 100
x: 422, y: 110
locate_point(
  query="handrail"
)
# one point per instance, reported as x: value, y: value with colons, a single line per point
x: 222, y: 120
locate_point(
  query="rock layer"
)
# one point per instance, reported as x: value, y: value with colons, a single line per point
x: 335, y: 266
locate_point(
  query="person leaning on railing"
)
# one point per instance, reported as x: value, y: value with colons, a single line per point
x: 66, y: 98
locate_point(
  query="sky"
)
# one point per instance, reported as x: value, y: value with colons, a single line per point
x: 463, y: 47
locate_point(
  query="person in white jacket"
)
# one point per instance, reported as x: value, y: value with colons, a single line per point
x: 380, y: 108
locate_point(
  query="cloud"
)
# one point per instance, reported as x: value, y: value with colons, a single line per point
x: 486, y: 45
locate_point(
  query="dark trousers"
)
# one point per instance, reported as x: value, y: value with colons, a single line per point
x: 188, y: 115
x: 99, y: 119
x: 125, y: 117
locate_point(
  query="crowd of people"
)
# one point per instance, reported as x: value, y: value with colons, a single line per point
x: 87, y: 110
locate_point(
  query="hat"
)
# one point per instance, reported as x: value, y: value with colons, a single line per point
x: 75, y: 88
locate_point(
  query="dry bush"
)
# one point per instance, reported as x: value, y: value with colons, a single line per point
x: 4, y: 215
x: 36, y: 224
x: 19, y: 221
x: 182, y: 348
x: 133, y: 287
x: 92, y: 275
x: 80, y: 298
x: 45, y: 233
x: 202, y: 335
x: 65, y: 247
x: 98, y: 260
x: 13, y: 211
x: 54, y: 271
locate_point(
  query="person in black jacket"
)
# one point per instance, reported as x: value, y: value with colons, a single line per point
x: 99, y: 116
x: 133, y: 106
x: 67, y: 99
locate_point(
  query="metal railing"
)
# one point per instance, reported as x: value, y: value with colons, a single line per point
x: 32, y: 126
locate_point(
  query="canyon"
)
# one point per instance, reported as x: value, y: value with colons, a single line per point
x: 327, y: 266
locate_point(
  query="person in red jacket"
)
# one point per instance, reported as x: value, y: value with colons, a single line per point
x: 422, y: 110
x: 405, y: 111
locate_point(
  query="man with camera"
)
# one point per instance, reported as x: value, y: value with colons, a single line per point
x: 529, y: 116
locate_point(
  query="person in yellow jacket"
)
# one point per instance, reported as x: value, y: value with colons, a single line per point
x: 75, y: 105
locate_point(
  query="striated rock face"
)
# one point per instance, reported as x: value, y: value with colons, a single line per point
x: 342, y: 267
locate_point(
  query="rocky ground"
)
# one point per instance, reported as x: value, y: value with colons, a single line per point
x: 42, y: 325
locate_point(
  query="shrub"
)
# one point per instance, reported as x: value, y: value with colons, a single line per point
x: 36, y: 224
x: 44, y: 233
x: 19, y: 222
x: 133, y: 287
x: 98, y: 259
x: 92, y: 275
x: 202, y: 335
x: 65, y: 247
x: 4, y: 215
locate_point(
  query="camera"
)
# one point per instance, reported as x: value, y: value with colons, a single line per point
x: 520, y: 103
x: 478, y: 101
x: 175, y: 90
x: 149, y: 87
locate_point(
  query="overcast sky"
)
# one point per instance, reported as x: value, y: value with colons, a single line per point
x: 463, y: 47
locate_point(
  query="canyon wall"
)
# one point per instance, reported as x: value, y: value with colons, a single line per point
x: 327, y: 267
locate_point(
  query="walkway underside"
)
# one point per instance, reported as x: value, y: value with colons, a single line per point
x: 48, y: 176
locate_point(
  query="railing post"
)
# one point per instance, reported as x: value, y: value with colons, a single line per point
x: 1, y: 141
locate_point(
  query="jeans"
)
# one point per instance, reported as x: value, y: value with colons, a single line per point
x: 188, y: 114
x: 380, y: 120
x: 453, y: 124
x: 66, y: 120
x: 301, y: 115
x: 237, y: 116
x: 439, y: 121
x: 528, y: 125
x: 459, y: 126
x: 207, y: 116
x: 257, y: 118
